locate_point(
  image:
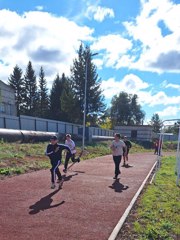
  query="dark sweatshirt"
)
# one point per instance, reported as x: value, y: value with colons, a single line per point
x: 54, y: 152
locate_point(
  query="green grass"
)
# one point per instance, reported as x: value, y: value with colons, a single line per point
x: 16, y: 158
x: 158, y: 211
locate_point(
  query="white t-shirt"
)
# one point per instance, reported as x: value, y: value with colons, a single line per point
x: 117, y: 147
x: 71, y: 145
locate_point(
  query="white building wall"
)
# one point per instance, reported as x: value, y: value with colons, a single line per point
x: 143, y: 132
x: 7, y: 100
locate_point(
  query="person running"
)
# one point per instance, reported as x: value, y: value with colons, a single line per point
x: 125, y: 154
x: 117, y: 147
x: 71, y: 144
x: 54, y: 152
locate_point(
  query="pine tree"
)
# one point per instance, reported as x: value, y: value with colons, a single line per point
x: 156, y: 123
x: 17, y: 81
x: 30, y: 91
x: 56, y: 112
x: 69, y: 103
x: 43, y: 104
x: 137, y: 115
x: 83, y: 69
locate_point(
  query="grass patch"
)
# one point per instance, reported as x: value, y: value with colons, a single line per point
x: 156, y: 215
x: 17, y: 158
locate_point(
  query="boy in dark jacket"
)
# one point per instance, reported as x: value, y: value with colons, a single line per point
x: 54, y: 152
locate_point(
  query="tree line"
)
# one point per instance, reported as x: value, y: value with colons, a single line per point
x: 65, y: 100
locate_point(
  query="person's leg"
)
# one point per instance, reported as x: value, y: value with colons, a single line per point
x: 124, y: 158
x: 117, y: 160
x: 75, y: 159
x: 66, y: 162
x: 54, y: 166
x: 127, y: 157
x: 156, y: 150
x: 57, y: 171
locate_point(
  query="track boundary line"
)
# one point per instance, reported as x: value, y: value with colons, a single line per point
x: 120, y: 223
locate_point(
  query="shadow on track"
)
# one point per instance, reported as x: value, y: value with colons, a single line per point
x: 45, y: 202
x: 118, y: 187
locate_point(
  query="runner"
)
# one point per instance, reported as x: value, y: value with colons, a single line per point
x: 71, y: 144
x: 117, y: 147
x: 54, y: 152
x: 125, y: 154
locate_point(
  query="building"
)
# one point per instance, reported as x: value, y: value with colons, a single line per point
x: 136, y: 132
x: 7, y: 100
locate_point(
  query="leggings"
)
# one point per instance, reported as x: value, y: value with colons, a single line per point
x: 55, y: 171
x: 68, y: 156
x: 117, y: 160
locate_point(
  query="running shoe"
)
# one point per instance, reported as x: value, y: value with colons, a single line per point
x: 53, y: 185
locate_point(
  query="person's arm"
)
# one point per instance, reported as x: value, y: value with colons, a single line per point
x: 49, y: 150
x: 64, y: 147
x: 112, y: 146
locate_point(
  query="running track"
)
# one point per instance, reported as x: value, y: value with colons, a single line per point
x: 88, y: 206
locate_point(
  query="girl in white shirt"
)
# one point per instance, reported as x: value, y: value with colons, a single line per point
x: 117, y: 147
x: 71, y: 144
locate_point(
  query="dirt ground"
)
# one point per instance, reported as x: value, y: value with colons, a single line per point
x: 87, y: 207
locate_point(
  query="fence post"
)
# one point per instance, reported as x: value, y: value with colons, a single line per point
x: 47, y: 126
x: 4, y: 122
x: 35, y: 127
x: 19, y: 122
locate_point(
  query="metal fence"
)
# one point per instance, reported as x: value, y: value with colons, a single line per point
x: 46, y: 125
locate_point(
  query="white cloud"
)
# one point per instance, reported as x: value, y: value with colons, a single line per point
x: 39, y: 8
x: 130, y: 84
x: 99, y: 13
x: 147, y: 98
x: 165, y: 84
x: 175, y: 86
x: 40, y: 37
x: 160, y: 48
x: 169, y: 112
x: 114, y: 46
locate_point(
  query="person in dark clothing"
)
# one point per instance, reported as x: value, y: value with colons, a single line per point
x: 54, y: 152
x: 157, y: 147
x: 125, y: 154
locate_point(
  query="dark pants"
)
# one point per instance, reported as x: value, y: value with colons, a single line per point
x: 55, y: 171
x: 117, y: 160
x: 68, y: 156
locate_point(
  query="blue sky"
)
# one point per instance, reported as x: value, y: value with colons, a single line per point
x: 137, y: 41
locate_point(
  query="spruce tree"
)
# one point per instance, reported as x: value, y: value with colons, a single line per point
x: 83, y: 69
x: 69, y: 103
x: 43, y: 103
x: 30, y: 92
x: 16, y: 81
x: 156, y: 123
x: 56, y: 112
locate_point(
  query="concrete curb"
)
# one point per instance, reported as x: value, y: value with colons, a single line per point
x: 128, y: 209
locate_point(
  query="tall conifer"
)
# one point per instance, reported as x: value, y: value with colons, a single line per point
x: 17, y: 81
